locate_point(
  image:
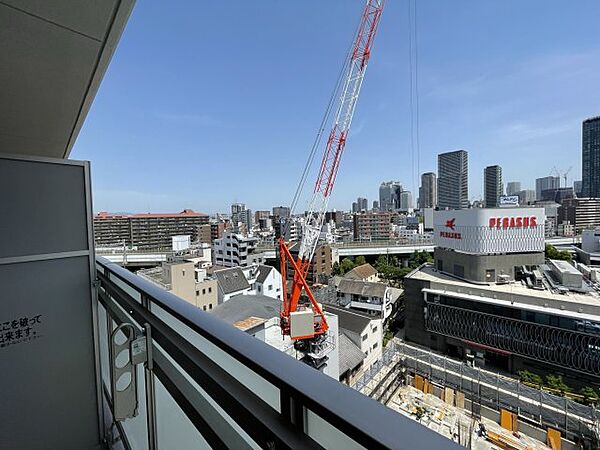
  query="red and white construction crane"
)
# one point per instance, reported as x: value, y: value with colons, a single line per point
x: 304, y: 321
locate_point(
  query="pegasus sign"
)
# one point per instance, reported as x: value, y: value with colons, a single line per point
x: 490, y: 231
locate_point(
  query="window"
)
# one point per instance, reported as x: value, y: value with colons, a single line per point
x: 210, y: 306
x: 374, y: 329
x: 197, y: 293
x: 209, y: 290
x: 183, y: 272
x: 375, y: 345
x: 364, y: 337
x: 490, y: 275
x: 204, y: 291
x: 204, y: 307
x: 270, y: 287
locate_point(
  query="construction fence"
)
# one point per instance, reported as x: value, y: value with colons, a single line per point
x: 481, y: 386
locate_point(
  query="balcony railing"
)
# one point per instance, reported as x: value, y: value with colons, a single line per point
x: 205, y: 383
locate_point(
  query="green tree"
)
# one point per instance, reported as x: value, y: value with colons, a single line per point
x: 418, y: 258
x: 337, y: 270
x: 346, y: 265
x: 556, y: 382
x: 553, y: 253
x: 590, y: 395
x: 360, y: 260
x: 525, y: 376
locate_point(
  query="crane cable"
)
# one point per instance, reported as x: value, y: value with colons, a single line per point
x: 413, y: 64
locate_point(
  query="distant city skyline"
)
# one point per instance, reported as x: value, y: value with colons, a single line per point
x: 189, y: 118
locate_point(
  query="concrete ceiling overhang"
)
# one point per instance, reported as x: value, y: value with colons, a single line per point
x: 53, y: 55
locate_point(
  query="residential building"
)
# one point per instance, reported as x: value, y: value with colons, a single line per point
x: 146, y: 231
x: 545, y: 184
x: 373, y: 226
x: 406, y: 201
x: 513, y: 187
x: 182, y: 279
x: 281, y: 211
x: 389, y: 195
x: 364, y: 331
x: 321, y: 266
x: 372, y: 299
x: 590, y: 158
x: 233, y: 249
x: 261, y: 215
x: 428, y: 195
x: 492, y: 186
x: 254, y: 279
x: 205, y: 233
x: 355, y: 207
x: 217, y: 228
x: 453, y: 180
x: 351, y: 359
x: 583, y: 213
x: 364, y: 272
x: 241, y: 218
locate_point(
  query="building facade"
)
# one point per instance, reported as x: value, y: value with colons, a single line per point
x: 233, y: 249
x: 513, y: 187
x: 428, y: 191
x: 373, y: 226
x: 492, y: 186
x: 241, y: 218
x: 590, y: 161
x: 544, y: 184
x: 582, y: 213
x: 146, y: 231
x: 389, y: 195
x: 453, y: 183
x: 406, y: 201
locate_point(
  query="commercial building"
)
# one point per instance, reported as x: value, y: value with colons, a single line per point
x: 389, y: 195
x: 512, y: 187
x: 583, y: 213
x: 590, y: 158
x: 453, y: 180
x: 372, y: 226
x: 502, y: 306
x: 428, y: 195
x: 526, y: 197
x: 578, y: 188
x: 281, y: 211
x: 146, y: 231
x: 492, y: 186
x: 546, y: 184
x: 487, y: 245
x: 233, y: 249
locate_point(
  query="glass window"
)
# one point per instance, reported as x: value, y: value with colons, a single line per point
x: 209, y: 290
x: 364, y: 337
x: 203, y: 291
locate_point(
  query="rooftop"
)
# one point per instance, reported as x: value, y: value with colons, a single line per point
x: 361, y: 272
x: 185, y: 213
x: 349, y: 319
x: 244, y: 307
x: 231, y: 280
x: 350, y: 355
x: 572, y: 304
x: 363, y: 288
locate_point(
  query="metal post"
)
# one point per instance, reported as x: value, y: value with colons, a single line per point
x: 498, y: 390
x: 149, y: 382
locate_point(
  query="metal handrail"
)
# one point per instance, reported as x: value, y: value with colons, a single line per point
x: 339, y: 405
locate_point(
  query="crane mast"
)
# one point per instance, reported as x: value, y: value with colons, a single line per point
x: 352, y: 80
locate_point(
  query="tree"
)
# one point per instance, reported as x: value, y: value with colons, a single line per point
x: 346, y: 265
x: 336, y: 269
x: 418, y: 258
x: 525, y: 376
x: 590, y: 395
x: 556, y: 383
x: 360, y: 260
x: 553, y: 253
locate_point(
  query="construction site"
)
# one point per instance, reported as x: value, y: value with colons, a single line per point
x: 476, y: 408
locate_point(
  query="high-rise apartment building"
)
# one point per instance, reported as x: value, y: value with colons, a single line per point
x: 590, y: 161
x: 241, y: 218
x: 583, y: 213
x: 545, y: 184
x: 453, y: 183
x: 389, y: 195
x: 281, y: 211
x: 428, y: 191
x: 513, y: 187
x: 492, y: 186
x: 146, y: 230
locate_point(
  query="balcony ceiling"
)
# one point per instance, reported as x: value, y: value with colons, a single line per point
x: 53, y: 55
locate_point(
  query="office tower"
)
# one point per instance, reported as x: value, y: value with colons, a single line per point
x: 453, y: 187
x: 492, y: 185
x: 375, y: 205
x: 428, y: 191
x: 363, y: 204
x: 545, y: 184
x: 281, y: 211
x: 406, y: 201
x: 389, y: 195
x: 578, y: 188
x: 513, y: 187
x: 590, y: 162
x: 355, y: 208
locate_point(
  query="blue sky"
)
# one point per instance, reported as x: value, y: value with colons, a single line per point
x: 208, y: 103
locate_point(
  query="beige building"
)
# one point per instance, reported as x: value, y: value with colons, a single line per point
x: 182, y: 279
